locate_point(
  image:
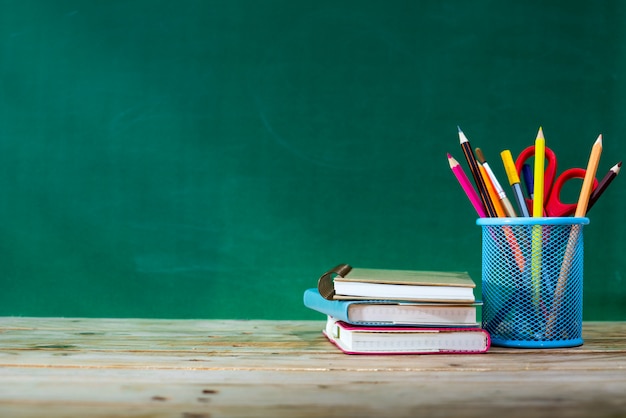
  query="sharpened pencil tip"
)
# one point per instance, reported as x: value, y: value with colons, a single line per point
x: 540, y: 133
x: 462, y: 137
x: 459, y: 128
x: 452, y: 161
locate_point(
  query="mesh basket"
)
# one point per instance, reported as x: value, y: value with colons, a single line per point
x: 532, y: 281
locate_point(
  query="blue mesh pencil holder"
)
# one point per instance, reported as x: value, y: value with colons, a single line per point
x: 532, y: 281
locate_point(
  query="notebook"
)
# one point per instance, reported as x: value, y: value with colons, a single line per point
x: 354, y: 339
x: 346, y: 282
x: 393, y: 312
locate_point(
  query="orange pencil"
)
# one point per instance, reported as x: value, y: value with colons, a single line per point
x: 581, y: 210
x: 491, y: 191
x: 592, y: 168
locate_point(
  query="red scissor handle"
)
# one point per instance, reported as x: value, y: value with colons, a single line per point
x: 555, y: 207
x: 550, y: 172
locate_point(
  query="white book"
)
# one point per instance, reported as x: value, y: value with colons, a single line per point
x: 354, y: 339
x: 409, y: 285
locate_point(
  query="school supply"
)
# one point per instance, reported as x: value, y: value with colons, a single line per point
x: 405, y: 340
x: 590, y: 178
x: 532, y: 268
x: 537, y: 231
x: 504, y: 200
x: 491, y: 192
x: 393, y: 312
x: 460, y: 175
x: 553, y: 185
x: 514, y: 181
x: 345, y: 282
x: 527, y: 175
x: 603, y: 184
x: 575, y: 235
x: 518, y: 311
x: 473, y: 164
x: 538, y: 183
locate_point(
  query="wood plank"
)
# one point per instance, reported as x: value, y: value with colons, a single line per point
x: 335, y: 393
x: 58, y: 367
x: 257, y: 345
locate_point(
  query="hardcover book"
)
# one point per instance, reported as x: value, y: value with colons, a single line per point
x: 353, y: 339
x: 345, y: 282
x: 393, y: 312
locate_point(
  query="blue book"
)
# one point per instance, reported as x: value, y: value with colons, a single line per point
x: 394, y: 312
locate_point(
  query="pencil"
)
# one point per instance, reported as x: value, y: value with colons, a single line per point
x: 467, y: 186
x: 604, y: 183
x: 540, y: 161
x: 491, y: 191
x: 581, y: 210
x: 537, y: 230
x: 590, y: 174
x: 514, y: 181
x: 527, y: 175
x: 478, y: 179
x: 504, y: 201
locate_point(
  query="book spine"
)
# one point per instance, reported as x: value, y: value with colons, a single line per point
x: 337, y: 309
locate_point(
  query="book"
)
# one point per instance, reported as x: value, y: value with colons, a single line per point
x: 354, y: 339
x: 393, y: 312
x: 345, y: 282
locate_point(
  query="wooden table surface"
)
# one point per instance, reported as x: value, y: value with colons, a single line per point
x: 52, y: 367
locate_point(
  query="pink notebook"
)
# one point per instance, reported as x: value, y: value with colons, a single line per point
x: 353, y: 339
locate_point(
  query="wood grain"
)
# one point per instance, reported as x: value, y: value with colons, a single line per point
x: 57, y: 367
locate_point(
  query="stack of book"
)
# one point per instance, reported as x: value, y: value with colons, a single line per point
x: 373, y: 311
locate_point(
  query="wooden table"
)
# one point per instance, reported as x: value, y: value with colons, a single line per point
x: 199, y: 369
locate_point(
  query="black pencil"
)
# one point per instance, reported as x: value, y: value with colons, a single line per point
x: 473, y: 165
x: 604, y: 183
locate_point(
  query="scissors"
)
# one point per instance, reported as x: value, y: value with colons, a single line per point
x: 553, y: 206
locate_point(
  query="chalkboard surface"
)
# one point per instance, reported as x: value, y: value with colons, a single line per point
x: 210, y: 159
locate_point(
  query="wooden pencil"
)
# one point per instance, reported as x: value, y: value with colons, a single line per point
x: 592, y: 167
x: 604, y: 183
x: 478, y: 179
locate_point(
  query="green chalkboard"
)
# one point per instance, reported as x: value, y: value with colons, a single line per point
x: 210, y: 159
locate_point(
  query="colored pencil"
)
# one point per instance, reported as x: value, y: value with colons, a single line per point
x: 504, y: 201
x: 581, y: 210
x: 467, y: 186
x: 478, y: 179
x: 491, y: 191
x: 540, y: 162
x: 592, y: 167
x: 527, y: 174
x: 604, y: 183
x: 537, y: 230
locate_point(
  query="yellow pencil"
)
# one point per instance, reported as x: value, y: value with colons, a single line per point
x: 540, y: 156
x: 537, y: 230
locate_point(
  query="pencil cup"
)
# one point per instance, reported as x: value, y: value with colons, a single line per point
x: 532, y: 281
